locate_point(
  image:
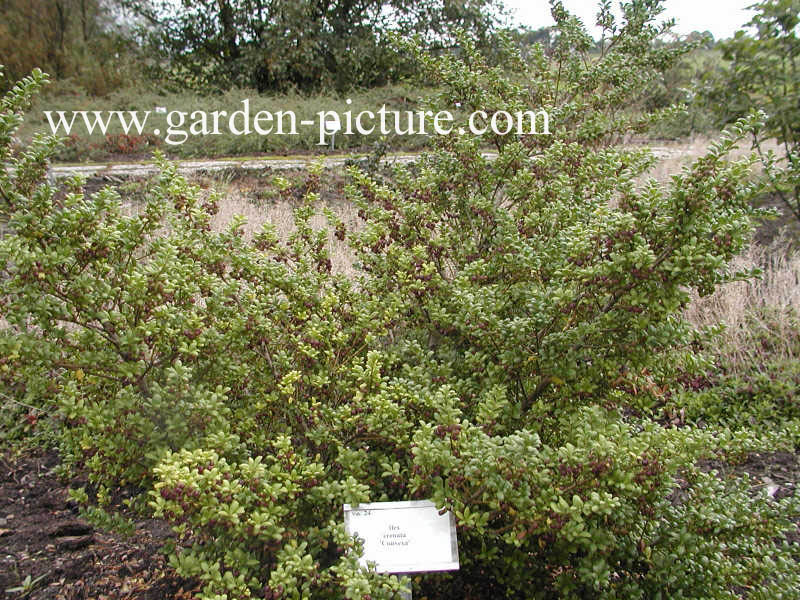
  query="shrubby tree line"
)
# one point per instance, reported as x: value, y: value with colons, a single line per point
x: 211, y: 45
x: 82, y: 40
x: 268, y: 45
x: 505, y: 348
x: 307, y: 45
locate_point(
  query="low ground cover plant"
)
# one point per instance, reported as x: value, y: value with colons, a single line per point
x: 512, y: 328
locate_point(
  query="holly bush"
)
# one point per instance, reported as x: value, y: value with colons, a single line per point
x: 512, y: 326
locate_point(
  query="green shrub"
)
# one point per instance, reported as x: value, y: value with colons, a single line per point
x: 490, y: 354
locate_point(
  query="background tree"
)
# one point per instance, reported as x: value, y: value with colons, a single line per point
x: 68, y: 38
x: 279, y: 44
x: 765, y: 73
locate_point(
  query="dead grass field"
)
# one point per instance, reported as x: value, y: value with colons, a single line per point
x: 770, y: 303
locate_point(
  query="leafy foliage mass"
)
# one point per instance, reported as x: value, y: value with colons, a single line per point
x: 71, y: 39
x: 765, y: 72
x: 280, y: 44
x: 512, y: 324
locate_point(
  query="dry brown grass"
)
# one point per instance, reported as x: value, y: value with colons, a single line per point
x: 238, y: 199
x: 752, y: 309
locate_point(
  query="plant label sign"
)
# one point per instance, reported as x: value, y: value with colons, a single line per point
x: 404, y: 537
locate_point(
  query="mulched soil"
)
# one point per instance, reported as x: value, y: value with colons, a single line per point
x: 41, y: 535
x: 777, y: 473
x: 774, y: 473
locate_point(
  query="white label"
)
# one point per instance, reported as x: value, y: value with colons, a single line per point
x: 404, y: 537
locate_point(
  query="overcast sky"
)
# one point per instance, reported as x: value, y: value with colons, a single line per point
x: 720, y: 17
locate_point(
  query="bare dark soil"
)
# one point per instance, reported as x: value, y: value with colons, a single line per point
x: 42, y: 536
x: 778, y: 469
